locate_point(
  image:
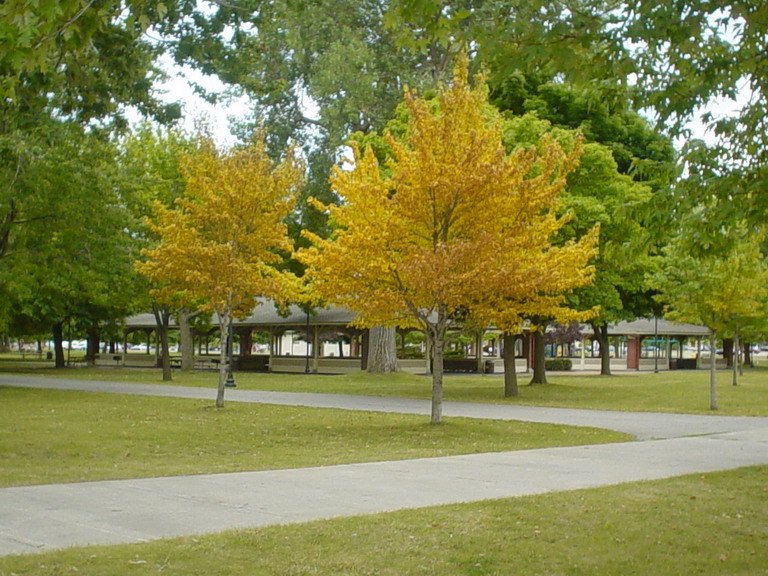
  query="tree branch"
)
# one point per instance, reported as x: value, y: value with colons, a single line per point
x: 66, y: 24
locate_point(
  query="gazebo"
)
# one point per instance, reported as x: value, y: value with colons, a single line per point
x: 323, y: 341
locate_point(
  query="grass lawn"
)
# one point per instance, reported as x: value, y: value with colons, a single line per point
x: 691, y: 525
x: 680, y: 391
x: 58, y: 436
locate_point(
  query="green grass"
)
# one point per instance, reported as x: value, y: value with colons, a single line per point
x: 691, y: 525
x: 679, y: 391
x: 57, y: 436
x: 698, y: 524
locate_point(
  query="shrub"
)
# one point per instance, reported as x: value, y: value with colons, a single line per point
x: 558, y: 364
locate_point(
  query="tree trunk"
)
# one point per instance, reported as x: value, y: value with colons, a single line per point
x: 382, y: 350
x: 245, y: 336
x: 747, y: 348
x: 539, y: 361
x: 510, y: 369
x: 480, y: 365
x: 438, y: 348
x: 186, y: 341
x: 92, y: 345
x: 435, y: 333
x: 224, y: 346
x: 58, y: 345
x: 736, y: 353
x: 601, y: 335
x: 162, y: 320
x: 728, y: 351
x: 712, y: 370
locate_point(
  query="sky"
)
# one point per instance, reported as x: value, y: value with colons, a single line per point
x: 178, y: 89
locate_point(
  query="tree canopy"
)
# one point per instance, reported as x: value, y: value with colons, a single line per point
x: 69, y: 254
x: 455, y: 223
x: 221, y: 241
x: 723, y: 291
x: 319, y: 70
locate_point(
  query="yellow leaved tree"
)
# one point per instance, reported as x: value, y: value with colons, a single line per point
x: 220, y: 243
x: 453, y: 225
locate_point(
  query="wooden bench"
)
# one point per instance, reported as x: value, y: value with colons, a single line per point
x: 207, y: 363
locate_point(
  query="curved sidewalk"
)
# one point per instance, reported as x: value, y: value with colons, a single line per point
x: 38, y: 518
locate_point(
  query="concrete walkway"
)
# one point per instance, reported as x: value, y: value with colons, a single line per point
x: 38, y: 518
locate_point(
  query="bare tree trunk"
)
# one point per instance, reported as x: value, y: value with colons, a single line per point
x: 382, y: 351
x: 186, y: 342
x: 510, y: 369
x: 539, y: 361
x: 712, y: 370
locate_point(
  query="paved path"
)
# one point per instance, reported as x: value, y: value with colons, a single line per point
x: 37, y: 518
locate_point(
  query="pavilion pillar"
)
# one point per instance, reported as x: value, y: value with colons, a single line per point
x: 633, y: 353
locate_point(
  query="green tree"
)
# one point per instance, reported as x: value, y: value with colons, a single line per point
x: 690, y: 52
x: 507, y: 35
x: 722, y: 291
x: 67, y: 70
x: 622, y: 184
x: 71, y: 259
x: 603, y: 114
x: 83, y: 58
x: 596, y: 194
x: 687, y: 58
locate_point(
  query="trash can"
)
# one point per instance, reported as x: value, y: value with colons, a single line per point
x: 489, y: 367
x: 49, y: 355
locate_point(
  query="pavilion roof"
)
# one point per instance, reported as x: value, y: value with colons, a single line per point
x: 649, y: 327
x: 265, y: 315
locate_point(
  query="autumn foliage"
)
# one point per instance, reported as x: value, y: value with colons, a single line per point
x: 453, y: 225
x: 221, y: 242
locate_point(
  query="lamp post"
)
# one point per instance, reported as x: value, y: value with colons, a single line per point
x: 306, y: 368
x: 230, y: 383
